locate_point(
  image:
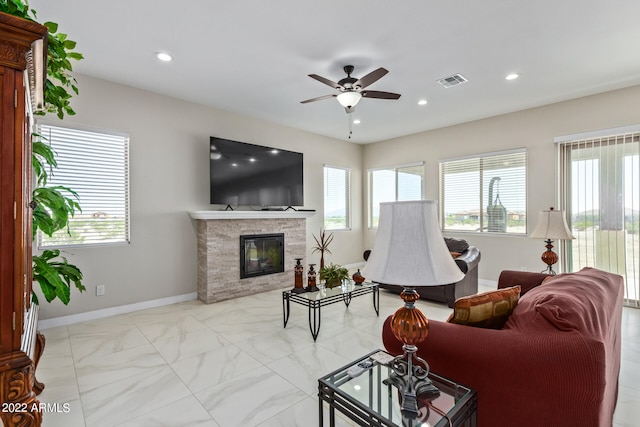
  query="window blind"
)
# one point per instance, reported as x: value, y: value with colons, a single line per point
x: 485, y: 193
x: 336, y: 198
x: 96, y: 166
x: 600, y: 191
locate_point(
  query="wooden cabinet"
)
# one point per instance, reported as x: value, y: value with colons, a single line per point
x: 22, y: 74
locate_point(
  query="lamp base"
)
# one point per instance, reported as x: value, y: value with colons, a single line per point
x: 410, y: 372
x: 410, y: 376
x: 549, y: 257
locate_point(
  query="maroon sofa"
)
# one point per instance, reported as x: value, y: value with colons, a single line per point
x: 555, y: 362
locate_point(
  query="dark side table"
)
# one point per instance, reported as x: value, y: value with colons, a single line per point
x: 369, y: 401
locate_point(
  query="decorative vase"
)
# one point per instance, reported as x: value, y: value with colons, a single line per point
x: 358, y: 277
x: 298, y: 270
x: 311, y: 279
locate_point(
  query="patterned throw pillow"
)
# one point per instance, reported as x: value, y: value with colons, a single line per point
x: 486, y: 310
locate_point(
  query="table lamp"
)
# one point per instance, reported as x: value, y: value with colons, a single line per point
x: 409, y: 250
x: 551, y: 225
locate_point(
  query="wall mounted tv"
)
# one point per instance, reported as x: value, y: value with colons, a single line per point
x: 243, y: 174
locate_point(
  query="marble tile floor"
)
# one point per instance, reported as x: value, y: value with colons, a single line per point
x: 230, y: 364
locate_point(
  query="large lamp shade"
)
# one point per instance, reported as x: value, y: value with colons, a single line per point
x: 409, y: 248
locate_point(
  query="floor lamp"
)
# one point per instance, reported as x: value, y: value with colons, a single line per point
x: 409, y: 250
x: 551, y: 225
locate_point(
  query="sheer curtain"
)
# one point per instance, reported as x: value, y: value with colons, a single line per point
x: 600, y: 191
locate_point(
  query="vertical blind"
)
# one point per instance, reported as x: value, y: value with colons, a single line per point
x: 336, y: 198
x: 394, y: 184
x: 485, y: 193
x: 600, y: 191
x: 96, y: 166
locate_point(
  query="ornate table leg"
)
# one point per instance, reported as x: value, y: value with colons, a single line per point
x: 40, y: 342
x: 347, y: 299
x: 285, y: 308
x: 376, y: 300
x: 315, y: 326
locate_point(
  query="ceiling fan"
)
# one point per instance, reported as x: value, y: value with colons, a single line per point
x: 351, y: 89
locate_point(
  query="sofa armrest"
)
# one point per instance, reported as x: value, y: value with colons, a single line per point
x: 526, y: 279
x: 469, y: 259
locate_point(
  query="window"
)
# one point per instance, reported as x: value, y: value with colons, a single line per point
x: 394, y: 184
x: 600, y: 191
x: 336, y: 198
x: 96, y: 166
x: 486, y: 193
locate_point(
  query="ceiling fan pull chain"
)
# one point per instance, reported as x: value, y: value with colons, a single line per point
x: 350, y: 125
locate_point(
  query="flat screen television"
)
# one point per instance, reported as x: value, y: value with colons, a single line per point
x: 243, y: 174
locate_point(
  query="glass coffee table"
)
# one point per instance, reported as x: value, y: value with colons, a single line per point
x: 369, y: 400
x: 325, y: 296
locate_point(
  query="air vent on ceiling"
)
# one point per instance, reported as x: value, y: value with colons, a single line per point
x: 454, y: 80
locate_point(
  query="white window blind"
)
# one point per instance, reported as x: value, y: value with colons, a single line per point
x: 96, y: 166
x: 394, y: 184
x: 600, y: 191
x: 336, y: 198
x: 485, y: 193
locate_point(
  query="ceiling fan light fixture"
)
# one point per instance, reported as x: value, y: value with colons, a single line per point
x: 349, y: 99
x: 164, y: 56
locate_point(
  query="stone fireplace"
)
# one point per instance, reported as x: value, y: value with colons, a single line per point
x: 218, y: 241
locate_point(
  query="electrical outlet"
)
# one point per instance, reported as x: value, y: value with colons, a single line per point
x: 100, y: 290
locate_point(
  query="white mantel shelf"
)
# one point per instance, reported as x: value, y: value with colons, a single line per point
x: 250, y: 214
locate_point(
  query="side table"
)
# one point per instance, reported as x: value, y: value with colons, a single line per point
x: 369, y: 401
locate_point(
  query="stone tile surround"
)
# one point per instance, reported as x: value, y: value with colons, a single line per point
x: 218, y: 240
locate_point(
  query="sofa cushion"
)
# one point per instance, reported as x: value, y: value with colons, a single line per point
x: 569, y: 302
x: 486, y: 310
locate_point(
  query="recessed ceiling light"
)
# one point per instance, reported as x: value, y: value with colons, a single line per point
x: 512, y: 76
x: 356, y: 122
x: 422, y: 102
x: 251, y: 159
x: 164, y: 57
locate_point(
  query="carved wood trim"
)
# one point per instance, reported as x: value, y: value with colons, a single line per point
x: 22, y: 408
x: 13, y: 55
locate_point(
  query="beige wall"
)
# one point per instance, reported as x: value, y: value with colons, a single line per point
x: 169, y: 171
x: 169, y: 177
x: 533, y: 129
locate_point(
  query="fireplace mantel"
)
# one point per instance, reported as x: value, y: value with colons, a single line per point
x: 250, y: 214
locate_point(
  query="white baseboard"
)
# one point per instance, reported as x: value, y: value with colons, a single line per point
x: 113, y: 311
x: 354, y: 266
x: 490, y: 283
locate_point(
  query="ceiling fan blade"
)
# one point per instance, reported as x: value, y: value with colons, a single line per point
x: 325, y: 81
x: 320, y: 98
x: 370, y: 78
x: 379, y: 95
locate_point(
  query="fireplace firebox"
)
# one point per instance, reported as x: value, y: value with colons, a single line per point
x: 261, y: 254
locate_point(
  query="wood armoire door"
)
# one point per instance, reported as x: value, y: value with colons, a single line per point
x: 18, y: 319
